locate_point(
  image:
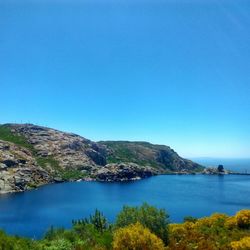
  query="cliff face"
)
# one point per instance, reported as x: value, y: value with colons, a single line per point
x: 69, y: 150
x: 160, y: 157
x: 33, y: 155
x: 19, y: 169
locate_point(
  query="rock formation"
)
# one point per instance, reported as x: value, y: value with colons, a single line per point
x: 32, y: 155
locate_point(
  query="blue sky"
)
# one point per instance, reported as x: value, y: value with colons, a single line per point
x: 168, y: 72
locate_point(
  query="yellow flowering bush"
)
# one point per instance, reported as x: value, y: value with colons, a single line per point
x: 214, y: 219
x: 243, y: 244
x: 218, y: 231
x: 136, y: 237
x: 243, y: 218
x: 231, y: 222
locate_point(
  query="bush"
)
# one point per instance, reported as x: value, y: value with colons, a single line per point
x: 16, y: 243
x: 156, y: 220
x: 189, y: 219
x: 98, y: 220
x: 95, y: 232
x: 136, y: 237
x: 231, y: 222
x: 58, y: 244
x: 243, y: 218
x: 242, y: 244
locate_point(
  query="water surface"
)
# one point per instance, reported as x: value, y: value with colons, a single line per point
x: 31, y: 213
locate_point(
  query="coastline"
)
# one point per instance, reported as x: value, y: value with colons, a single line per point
x: 89, y: 179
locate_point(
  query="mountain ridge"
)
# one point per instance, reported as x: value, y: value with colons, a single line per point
x: 54, y: 156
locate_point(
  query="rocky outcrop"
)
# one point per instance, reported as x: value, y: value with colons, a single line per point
x: 32, y: 155
x: 19, y: 170
x: 123, y: 172
x: 146, y: 154
x: 70, y: 150
x: 215, y: 171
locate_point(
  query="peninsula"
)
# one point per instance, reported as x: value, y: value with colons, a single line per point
x: 32, y: 155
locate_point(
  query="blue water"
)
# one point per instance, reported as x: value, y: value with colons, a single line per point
x: 31, y: 213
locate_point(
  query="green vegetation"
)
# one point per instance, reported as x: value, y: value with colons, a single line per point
x: 66, y: 174
x: 142, y: 228
x: 136, y: 152
x: 15, y: 243
x: 7, y: 135
x: 72, y: 174
x: 48, y: 161
x: 156, y: 220
x: 136, y: 236
x: 146, y: 154
x: 218, y: 231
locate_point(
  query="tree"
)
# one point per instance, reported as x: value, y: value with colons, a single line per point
x: 156, y: 220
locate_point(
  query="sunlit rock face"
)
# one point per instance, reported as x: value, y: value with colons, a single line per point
x: 32, y: 155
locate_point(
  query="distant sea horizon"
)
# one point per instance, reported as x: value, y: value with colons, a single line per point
x: 235, y: 164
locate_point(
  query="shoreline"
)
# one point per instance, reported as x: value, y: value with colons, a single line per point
x: 88, y: 179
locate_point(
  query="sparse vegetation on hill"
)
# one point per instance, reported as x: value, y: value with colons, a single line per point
x: 28, y: 150
x: 7, y: 135
x: 146, y: 154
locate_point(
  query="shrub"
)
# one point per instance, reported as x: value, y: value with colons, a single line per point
x: 231, y: 222
x: 242, y: 244
x: 189, y: 219
x: 98, y: 220
x: 58, y: 244
x: 95, y: 232
x: 243, y: 218
x: 16, y: 243
x: 136, y: 237
x: 156, y: 220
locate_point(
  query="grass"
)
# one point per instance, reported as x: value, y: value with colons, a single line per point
x: 72, y: 174
x: 127, y: 152
x: 7, y: 135
x: 48, y: 161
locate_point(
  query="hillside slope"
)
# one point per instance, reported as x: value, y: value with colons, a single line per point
x: 146, y: 154
x: 32, y: 155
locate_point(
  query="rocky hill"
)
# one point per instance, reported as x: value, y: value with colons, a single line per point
x: 32, y: 155
x: 160, y: 157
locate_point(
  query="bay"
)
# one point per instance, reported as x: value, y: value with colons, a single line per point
x: 31, y: 213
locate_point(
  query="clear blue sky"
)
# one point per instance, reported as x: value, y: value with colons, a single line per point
x: 168, y: 72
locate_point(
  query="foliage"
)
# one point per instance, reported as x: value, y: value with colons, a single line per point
x: 99, y: 222
x: 57, y: 244
x: 48, y: 161
x: 72, y: 174
x: 243, y: 218
x: 156, y: 220
x: 242, y: 244
x: 136, y: 237
x: 142, y: 228
x: 7, y: 135
x: 16, y: 243
x: 189, y: 219
x: 214, y: 232
x: 145, y: 154
x: 81, y: 236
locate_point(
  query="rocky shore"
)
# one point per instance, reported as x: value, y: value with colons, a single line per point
x: 32, y: 155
